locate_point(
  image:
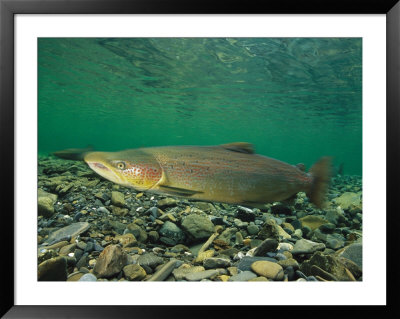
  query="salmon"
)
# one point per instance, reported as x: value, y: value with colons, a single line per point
x: 229, y: 173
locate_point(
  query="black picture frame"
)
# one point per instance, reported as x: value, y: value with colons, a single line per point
x: 8, y: 10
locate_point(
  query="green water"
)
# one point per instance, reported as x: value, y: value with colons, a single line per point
x: 295, y: 99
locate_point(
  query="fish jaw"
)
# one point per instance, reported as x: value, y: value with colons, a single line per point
x: 101, y: 167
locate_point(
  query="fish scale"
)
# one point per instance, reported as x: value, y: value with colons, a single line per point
x: 229, y: 173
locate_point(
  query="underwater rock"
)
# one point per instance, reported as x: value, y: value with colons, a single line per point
x: 53, y: 269
x: 205, y: 274
x: 305, y: 246
x: 172, y: 232
x: 46, y: 203
x: 139, y: 233
x: 246, y: 262
x: 352, y: 252
x: 216, y: 262
x: 72, y: 230
x: 268, y: 269
x: 166, y: 202
x: 268, y: 245
x: 245, y: 214
x: 312, y: 221
x: 110, y: 262
x: 117, y: 199
x: 182, y: 271
x: 349, y: 200
x: 88, y: 277
x: 197, y: 226
x: 134, y: 272
x: 150, y: 260
x: 243, y: 276
x: 126, y: 240
x: 327, y: 263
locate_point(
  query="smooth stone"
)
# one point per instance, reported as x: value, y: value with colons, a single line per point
x: 253, y: 229
x: 58, y: 245
x: 110, y: 262
x: 67, y: 249
x: 72, y: 230
x: 134, y: 272
x: 173, y: 232
x: 198, y: 226
x: 181, y: 272
x: 268, y: 269
x: 53, y: 269
x: 285, y: 247
x: 243, y: 276
x: 75, y: 276
x: 197, y: 276
x: 88, y: 277
x: 117, y: 199
x: 349, y: 199
x: 246, y: 262
x: 46, y: 203
x: 312, y: 221
x: 352, y: 252
x: 215, y: 262
x: 305, y: 246
x: 150, y: 260
x: 127, y: 240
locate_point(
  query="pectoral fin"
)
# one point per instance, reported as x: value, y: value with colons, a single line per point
x: 178, y: 191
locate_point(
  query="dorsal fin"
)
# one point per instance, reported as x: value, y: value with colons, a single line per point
x: 241, y: 147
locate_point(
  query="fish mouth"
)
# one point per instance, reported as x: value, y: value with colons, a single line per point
x: 105, y: 172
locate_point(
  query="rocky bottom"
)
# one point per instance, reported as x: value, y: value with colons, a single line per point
x: 90, y: 229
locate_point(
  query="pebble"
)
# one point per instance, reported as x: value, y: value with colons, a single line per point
x: 215, y: 262
x: 117, y: 199
x: 198, y: 226
x: 110, y: 262
x: 88, y: 277
x: 305, y: 246
x: 197, y: 276
x: 243, y: 276
x: 53, y: 269
x: 268, y: 269
x: 72, y: 230
x: 150, y: 260
x: 134, y: 272
x: 181, y: 272
x: 246, y: 262
x: 268, y: 245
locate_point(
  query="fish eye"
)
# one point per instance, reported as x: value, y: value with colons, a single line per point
x: 121, y: 165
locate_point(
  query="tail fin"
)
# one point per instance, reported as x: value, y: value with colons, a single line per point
x: 75, y: 154
x: 321, y: 173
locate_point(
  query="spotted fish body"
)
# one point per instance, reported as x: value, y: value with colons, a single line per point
x: 229, y: 173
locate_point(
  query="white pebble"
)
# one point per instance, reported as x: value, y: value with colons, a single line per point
x: 285, y: 246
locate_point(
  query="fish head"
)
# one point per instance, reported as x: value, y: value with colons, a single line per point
x: 131, y: 168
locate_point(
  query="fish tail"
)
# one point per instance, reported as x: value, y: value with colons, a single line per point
x: 321, y: 173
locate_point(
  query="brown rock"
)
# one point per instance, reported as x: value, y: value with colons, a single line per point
x: 268, y: 269
x: 110, y: 262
